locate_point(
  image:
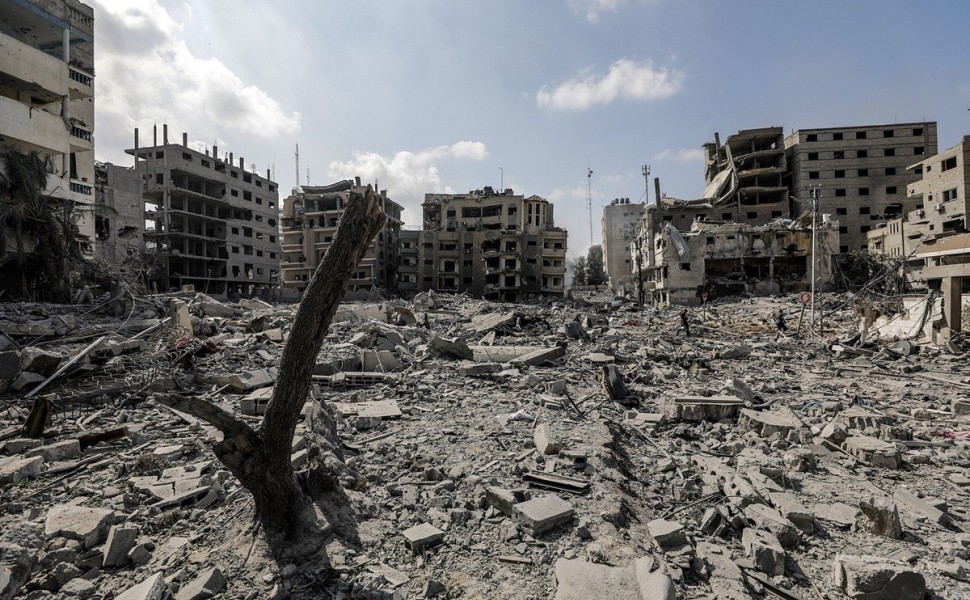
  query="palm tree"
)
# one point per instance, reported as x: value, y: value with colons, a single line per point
x: 42, y: 226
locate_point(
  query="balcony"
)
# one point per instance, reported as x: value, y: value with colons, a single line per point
x: 42, y: 75
x: 31, y: 125
x: 80, y: 83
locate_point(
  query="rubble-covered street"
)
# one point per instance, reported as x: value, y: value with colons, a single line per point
x: 566, y: 451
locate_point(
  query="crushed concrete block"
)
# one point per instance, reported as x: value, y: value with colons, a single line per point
x: 379, y: 361
x: 504, y: 500
x: 120, y: 542
x: 667, y: 534
x: 861, y: 418
x: 140, y: 555
x: 843, y: 515
x: 874, y: 578
x: 16, y: 469
x: 556, y: 388
x: 544, y: 441
x: 873, y: 451
x: 542, y: 514
x: 27, y: 381
x: 20, y: 445
x: 541, y: 356
x: 422, y: 536
x: 767, y: 423
x: 598, y: 358
x: 87, y: 524
x: 581, y: 580
x: 790, y: 507
x: 487, y: 322
x: 250, y: 380
x: 153, y: 588
x: 739, y: 351
x: 472, y: 369
x: 701, y: 408
x: 834, y: 432
x: 881, y: 517
x: 800, y: 459
x: 909, y: 501
x: 765, y: 550
x: 78, y: 588
x: 724, y: 576
x: 35, y: 360
x: 209, y: 583
x: 764, y: 517
x: 16, y: 563
x: 455, y: 348
x: 65, y: 450
x: 961, y: 406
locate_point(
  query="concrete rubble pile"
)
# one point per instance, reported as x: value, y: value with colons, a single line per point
x: 562, y: 451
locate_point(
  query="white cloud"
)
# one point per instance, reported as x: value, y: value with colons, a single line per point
x: 626, y: 79
x: 683, y: 156
x: 407, y: 175
x: 147, y: 74
x: 591, y: 9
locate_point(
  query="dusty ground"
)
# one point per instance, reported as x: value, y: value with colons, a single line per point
x: 460, y: 433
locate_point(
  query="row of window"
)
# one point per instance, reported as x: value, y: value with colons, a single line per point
x: 248, y: 232
x: 221, y: 168
x: 248, y: 251
x: 841, y: 173
x: 843, y: 154
x: 861, y: 135
x: 864, y: 191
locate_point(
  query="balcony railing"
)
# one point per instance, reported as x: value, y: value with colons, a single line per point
x: 81, y: 133
x: 81, y: 77
x: 80, y: 188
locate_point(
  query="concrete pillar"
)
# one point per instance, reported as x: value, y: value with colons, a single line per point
x: 66, y: 44
x: 952, y: 302
x: 185, y: 139
x: 165, y: 134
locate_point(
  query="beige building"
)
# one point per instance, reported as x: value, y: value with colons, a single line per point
x: 47, y: 101
x: 939, y: 196
x: 862, y: 171
x: 119, y: 228
x: 212, y: 222
x: 310, y: 220
x: 495, y: 245
x: 619, y: 225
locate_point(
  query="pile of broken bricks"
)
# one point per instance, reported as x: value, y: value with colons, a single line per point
x: 509, y: 451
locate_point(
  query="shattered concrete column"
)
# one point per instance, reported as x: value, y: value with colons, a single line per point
x: 952, y: 288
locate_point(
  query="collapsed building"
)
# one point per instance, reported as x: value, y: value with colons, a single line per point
x: 494, y: 245
x: 47, y: 108
x: 619, y: 229
x: 209, y: 222
x: 740, y: 259
x: 311, y: 216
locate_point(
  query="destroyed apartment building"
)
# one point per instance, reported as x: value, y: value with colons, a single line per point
x: 207, y: 221
x: 47, y: 108
x: 491, y: 244
x: 619, y: 225
x: 311, y: 216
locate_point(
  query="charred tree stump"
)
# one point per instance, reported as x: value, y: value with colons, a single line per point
x: 261, y: 459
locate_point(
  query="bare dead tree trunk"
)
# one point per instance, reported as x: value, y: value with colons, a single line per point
x: 261, y: 459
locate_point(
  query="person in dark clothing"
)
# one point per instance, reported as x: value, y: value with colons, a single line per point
x: 780, y: 322
x: 684, y: 322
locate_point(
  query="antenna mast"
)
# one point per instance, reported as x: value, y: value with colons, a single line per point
x: 589, y: 201
x: 296, y: 183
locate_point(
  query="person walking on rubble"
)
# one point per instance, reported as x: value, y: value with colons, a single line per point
x: 780, y: 322
x: 684, y: 322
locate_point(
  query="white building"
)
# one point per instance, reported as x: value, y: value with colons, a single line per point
x: 619, y: 227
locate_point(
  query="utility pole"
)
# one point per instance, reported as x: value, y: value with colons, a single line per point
x: 589, y: 201
x: 501, y: 187
x: 639, y: 239
x: 816, y: 190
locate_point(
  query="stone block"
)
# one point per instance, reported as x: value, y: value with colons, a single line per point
x: 153, y: 588
x: 767, y: 423
x: 20, y: 445
x: 542, y: 514
x: 874, y: 578
x: 724, y: 576
x: 581, y: 580
x: 16, y: 469
x: 702, y: 408
x: 667, y: 534
x: 209, y: 583
x: 765, y: 550
x: 422, y: 536
x: 27, y: 381
x: 544, y: 441
x: 504, y: 500
x: 543, y: 355
x: 89, y: 525
x: 35, y: 360
x: 881, y: 517
x: 790, y: 507
x: 65, y: 450
x: 873, y: 451
x: 120, y: 542
x: 764, y: 517
x: 800, y: 459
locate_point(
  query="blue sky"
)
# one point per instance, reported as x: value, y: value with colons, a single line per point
x: 436, y: 95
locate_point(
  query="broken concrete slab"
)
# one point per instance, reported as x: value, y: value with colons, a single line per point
x: 881, y: 517
x: 90, y: 525
x: 543, y: 514
x: 473, y: 369
x: 120, y: 542
x: 64, y: 450
x: 42, y: 362
x: 488, y: 322
x: 379, y: 361
x: 874, y: 578
x: 422, y: 536
x: 580, y: 580
x: 768, y: 423
x: 542, y: 356
x: 455, y: 348
x: 208, y: 584
x: 724, y: 575
x: 919, y: 507
x: 790, y: 507
x: 249, y: 380
x: 701, y: 408
x: 16, y: 469
x: 152, y: 588
x: 765, y: 550
x: 874, y: 451
x: 544, y: 441
x: 667, y: 534
x: 767, y: 518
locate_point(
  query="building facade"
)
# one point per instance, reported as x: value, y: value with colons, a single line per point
x: 619, y: 225
x: 119, y: 222
x: 495, y: 245
x: 862, y: 171
x: 310, y: 220
x: 47, y: 103
x: 210, y: 222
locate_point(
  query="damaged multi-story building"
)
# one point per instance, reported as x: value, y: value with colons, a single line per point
x: 619, y: 225
x: 741, y: 259
x: 47, y: 106
x: 119, y: 225
x: 310, y: 219
x: 862, y: 171
x: 497, y: 245
x: 208, y: 221
x: 932, y: 241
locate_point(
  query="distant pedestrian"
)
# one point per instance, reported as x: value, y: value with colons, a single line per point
x: 780, y: 322
x: 684, y: 322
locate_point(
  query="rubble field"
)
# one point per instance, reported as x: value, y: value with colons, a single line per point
x: 574, y: 450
